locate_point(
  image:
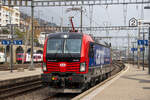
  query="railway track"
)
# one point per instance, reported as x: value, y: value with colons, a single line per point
x: 17, y: 89
x: 118, y: 66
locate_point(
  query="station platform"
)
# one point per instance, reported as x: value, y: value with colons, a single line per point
x: 130, y: 84
x: 9, y: 78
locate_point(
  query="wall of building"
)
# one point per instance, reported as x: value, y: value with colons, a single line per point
x: 9, y: 16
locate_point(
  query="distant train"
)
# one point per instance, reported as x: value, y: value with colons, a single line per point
x: 2, y: 57
x: 36, y: 58
x: 73, y: 62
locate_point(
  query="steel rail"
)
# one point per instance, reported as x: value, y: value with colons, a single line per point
x: 10, y: 91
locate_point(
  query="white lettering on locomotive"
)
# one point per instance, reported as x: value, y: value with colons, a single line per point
x: 99, y: 56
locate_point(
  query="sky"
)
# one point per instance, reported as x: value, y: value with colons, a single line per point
x: 112, y: 15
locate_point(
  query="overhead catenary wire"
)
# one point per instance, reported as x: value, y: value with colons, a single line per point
x: 86, y: 15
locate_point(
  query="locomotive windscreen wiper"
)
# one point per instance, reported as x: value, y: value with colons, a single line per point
x: 66, y: 47
x: 57, y: 52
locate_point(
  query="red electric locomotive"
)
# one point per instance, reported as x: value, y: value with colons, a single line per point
x: 73, y: 61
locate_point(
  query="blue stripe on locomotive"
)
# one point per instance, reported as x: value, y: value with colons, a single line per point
x: 101, y: 56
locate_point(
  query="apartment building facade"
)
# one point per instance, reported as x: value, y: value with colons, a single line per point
x: 9, y: 16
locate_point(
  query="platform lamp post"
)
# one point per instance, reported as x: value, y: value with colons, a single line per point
x: 32, y: 35
x: 133, y: 51
x: 149, y: 50
x: 148, y: 23
x: 143, y: 47
x: 11, y: 37
x: 125, y: 48
x: 148, y: 7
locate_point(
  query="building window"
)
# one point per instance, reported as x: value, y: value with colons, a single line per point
x: 16, y: 20
x: 7, y: 16
x: 6, y: 21
x: 17, y: 14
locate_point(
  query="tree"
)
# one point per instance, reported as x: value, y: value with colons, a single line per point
x: 20, y: 35
x: 1, y: 48
x: 5, y: 31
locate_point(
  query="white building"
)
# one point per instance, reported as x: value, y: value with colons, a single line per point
x: 42, y: 37
x: 9, y: 16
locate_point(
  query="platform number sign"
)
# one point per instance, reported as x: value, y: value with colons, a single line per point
x: 133, y: 49
x: 143, y: 42
x: 15, y: 42
x: 133, y: 22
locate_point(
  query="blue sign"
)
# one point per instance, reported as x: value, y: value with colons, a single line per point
x: 143, y: 42
x: 146, y: 42
x: 140, y: 42
x: 142, y: 49
x: 5, y: 42
x: 133, y: 49
x: 17, y: 42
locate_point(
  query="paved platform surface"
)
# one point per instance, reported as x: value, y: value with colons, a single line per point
x: 7, y: 75
x: 132, y: 84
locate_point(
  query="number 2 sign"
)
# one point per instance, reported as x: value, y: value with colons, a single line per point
x: 133, y: 22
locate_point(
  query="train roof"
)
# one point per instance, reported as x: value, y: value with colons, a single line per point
x: 67, y: 34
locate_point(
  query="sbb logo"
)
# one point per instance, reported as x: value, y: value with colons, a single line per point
x: 62, y: 65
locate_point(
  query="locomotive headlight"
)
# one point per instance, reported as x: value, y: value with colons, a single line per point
x: 44, y: 67
x: 82, y: 67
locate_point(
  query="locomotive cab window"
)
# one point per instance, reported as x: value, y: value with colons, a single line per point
x: 55, y: 46
x: 72, y: 46
x: 64, y: 46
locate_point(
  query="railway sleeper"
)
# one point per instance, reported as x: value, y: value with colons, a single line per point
x: 12, y: 88
x: 20, y: 91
